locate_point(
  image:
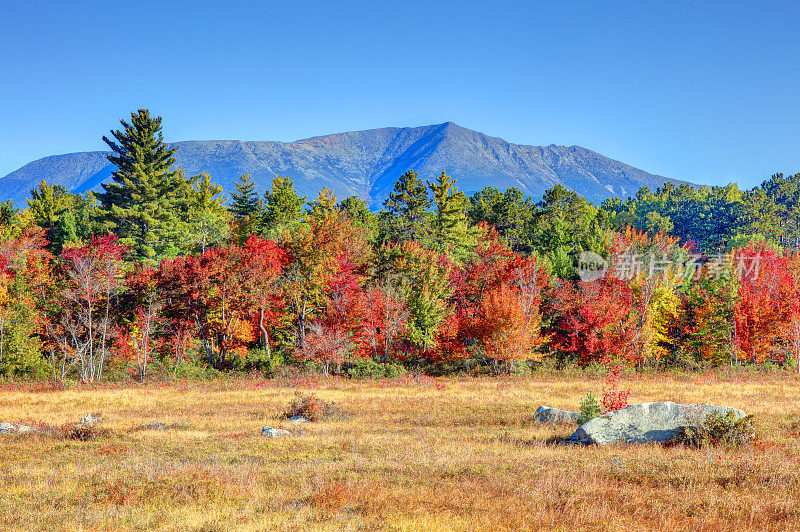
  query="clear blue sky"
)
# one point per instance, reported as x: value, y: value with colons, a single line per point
x: 703, y: 91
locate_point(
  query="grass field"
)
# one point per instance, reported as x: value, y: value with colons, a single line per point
x: 411, y: 454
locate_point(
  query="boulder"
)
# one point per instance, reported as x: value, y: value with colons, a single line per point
x: 646, y: 422
x: 13, y: 428
x: 92, y: 419
x: 269, y: 432
x: 545, y: 414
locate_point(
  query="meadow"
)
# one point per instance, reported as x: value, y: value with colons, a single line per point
x: 413, y: 453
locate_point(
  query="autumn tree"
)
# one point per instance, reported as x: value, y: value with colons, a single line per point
x: 764, y: 306
x: 25, y: 283
x: 92, y: 279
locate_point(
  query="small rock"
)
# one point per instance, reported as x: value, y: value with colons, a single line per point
x: 298, y: 419
x: 269, y: 432
x: 545, y: 414
x: 646, y: 422
x: 156, y: 425
x: 92, y: 419
x: 13, y: 428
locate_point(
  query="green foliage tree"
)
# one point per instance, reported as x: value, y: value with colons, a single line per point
x: 246, y: 208
x: 450, y: 231
x: 509, y: 212
x: 407, y: 207
x: 283, y: 207
x: 208, y: 222
x: 143, y: 203
x: 563, y: 226
x: 66, y: 218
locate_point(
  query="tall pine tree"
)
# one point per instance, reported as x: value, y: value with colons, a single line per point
x: 246, y: 208
x: 143, y: 203
x: 284, y: 206
x: 451, y: 231
x: 408, y: 205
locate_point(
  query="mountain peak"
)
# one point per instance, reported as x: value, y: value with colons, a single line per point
x: 365, y: 163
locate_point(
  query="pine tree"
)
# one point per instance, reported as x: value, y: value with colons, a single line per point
x: 284, y: 207
x: 408, y: 205
x: 142, y: 204
x: 247, y: 209
x: 451, y: 232
x: 246, y: 203
x: 208, y: 219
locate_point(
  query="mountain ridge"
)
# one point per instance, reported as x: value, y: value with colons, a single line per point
x: 365, y: 163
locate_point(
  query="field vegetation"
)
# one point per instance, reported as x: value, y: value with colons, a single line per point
x: 409, y: 453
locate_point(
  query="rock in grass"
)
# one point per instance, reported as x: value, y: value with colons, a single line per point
x: 657, y: 422
x: 298, y: 419
x: 269, y: 432
x: 92, y: 419
x: 545, y: 414
x: 13, y: 428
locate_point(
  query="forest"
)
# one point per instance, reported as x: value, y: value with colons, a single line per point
x: 162, y: 274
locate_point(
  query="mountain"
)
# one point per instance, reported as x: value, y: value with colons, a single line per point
x: 365, y: 163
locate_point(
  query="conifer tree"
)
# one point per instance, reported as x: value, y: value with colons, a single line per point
x: 208, y: 219
x: 143, y: 203
x: 451, y: 232
x: 408, y: 205
x: 246, y: 208
x: 284, y: 206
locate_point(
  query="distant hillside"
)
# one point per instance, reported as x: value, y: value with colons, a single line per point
x: 365, y: 163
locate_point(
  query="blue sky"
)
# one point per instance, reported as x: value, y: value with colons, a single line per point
x: 703, y: 91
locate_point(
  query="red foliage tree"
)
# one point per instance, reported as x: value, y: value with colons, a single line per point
x: 766, y: 303
x: 593, y: 320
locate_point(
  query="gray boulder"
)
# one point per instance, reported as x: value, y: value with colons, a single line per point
x: 13, y: 428
x: 269, y: 432
x: 545, y: 414
x: 646, y: 422
x: 92, y: 419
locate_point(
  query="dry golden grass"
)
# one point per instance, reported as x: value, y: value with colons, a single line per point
x: 410, y: 455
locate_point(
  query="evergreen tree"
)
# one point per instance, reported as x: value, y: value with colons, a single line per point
x: 66, y: 218
x: 408, y: 206
x: 284, y: 207
x: 207, y: 222
x: 508, y: 212
x: 451, y: 232
x: 143, y: 203
x: 357, y: 211
x: 247, y: 209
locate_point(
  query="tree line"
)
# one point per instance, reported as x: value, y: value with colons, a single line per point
x: 161, y: 269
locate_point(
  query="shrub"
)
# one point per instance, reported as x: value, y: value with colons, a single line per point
x: 718, y: 429
x: 310, y: 407
x: 366, y: 368
x: 259, y: 360
x: 589, y: 409
x: 613, y: 397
